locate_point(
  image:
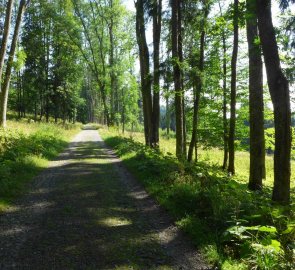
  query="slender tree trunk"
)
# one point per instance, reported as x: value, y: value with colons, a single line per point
x: 167, y: 116
x: 231, y: 139
x: 112, y: 68
x: 157, y: 23
x: 6, y: 83
x: 19, y: 94
x: 47, y: 49
x: 144, y: 71
x: 123, y: 114
x: 3, y: 48
x: 180, y: 57
x: 280, y: 95
x: 257, y: 145
x: 224, y: 107
x: 197, y: 92
x: 179, y: 115
x: 224, y: 90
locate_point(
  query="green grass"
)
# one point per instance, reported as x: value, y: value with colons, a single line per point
x: 25, y: 149
x: 224, y: 219
x: 213, y: 156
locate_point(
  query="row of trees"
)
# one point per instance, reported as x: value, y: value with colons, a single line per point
x: 6, y: 78
x: 77, y: 60
x: 187, y: 41
x: 74, y: 61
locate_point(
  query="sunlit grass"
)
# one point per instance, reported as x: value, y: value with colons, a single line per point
x: 214, y: 156
x: 26, y: 148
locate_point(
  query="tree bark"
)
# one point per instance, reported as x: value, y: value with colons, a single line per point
x: 198, y: 82
x: 180, y: 57
x: 112, y: 68
x: 4, y: 93
x: 280, y: 96
x: 7, y: 24
x: 179, y: 114
x: 224, y: 106
x: 231, y: 139
x: 157, y: 23
x: 256, y: 106
x: 144, y: 72
x: 224, y: 90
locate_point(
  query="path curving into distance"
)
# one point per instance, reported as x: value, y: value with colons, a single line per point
x: 87, y: 212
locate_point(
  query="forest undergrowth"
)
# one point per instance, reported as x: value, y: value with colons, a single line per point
x: 233, y: 227
x: 25, y: 149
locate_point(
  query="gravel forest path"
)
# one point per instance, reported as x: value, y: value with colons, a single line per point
x: 87, y: 212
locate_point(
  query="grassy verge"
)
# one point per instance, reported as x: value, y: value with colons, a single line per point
x: 233, y: 227
x: 25, y: 149
x: 214, y: 157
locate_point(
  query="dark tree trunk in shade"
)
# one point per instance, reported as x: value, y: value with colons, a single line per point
x: 224, y: 106
x: 197, y: 94
x: 179, y: 114
x: 180, y: 56
x: 233, y: 93
x: 257, y: 144
x: 198, y: 86
x: 144, y: 72
x: 114, y: 96
x: 280, y: 96
x: 157, y: 23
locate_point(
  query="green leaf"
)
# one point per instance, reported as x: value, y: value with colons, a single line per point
x: 290, y: 229
x: 269, y: 229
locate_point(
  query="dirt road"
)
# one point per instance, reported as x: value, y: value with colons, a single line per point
x: 87, y: 212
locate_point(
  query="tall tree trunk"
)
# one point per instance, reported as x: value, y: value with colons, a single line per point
x: 157, y: 23
x: 180, y: 57
x: 224, y: 107
x: 3, y: 48
x: 179, y: 114
x: 257, y: 145
x: 198, y: 82
x: 224, y: 90
x: 144, y: 71
x: 6, y: 83
x: 233, y: 93
x: 112, y: 68
x: 280, y: 96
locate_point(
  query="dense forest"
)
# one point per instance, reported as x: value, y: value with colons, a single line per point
x: 208, y: 74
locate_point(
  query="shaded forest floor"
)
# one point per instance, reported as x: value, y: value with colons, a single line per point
x: 87, y: 212
x: 233, y: 227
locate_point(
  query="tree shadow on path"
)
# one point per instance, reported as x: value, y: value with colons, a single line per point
x: 83, y: 213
